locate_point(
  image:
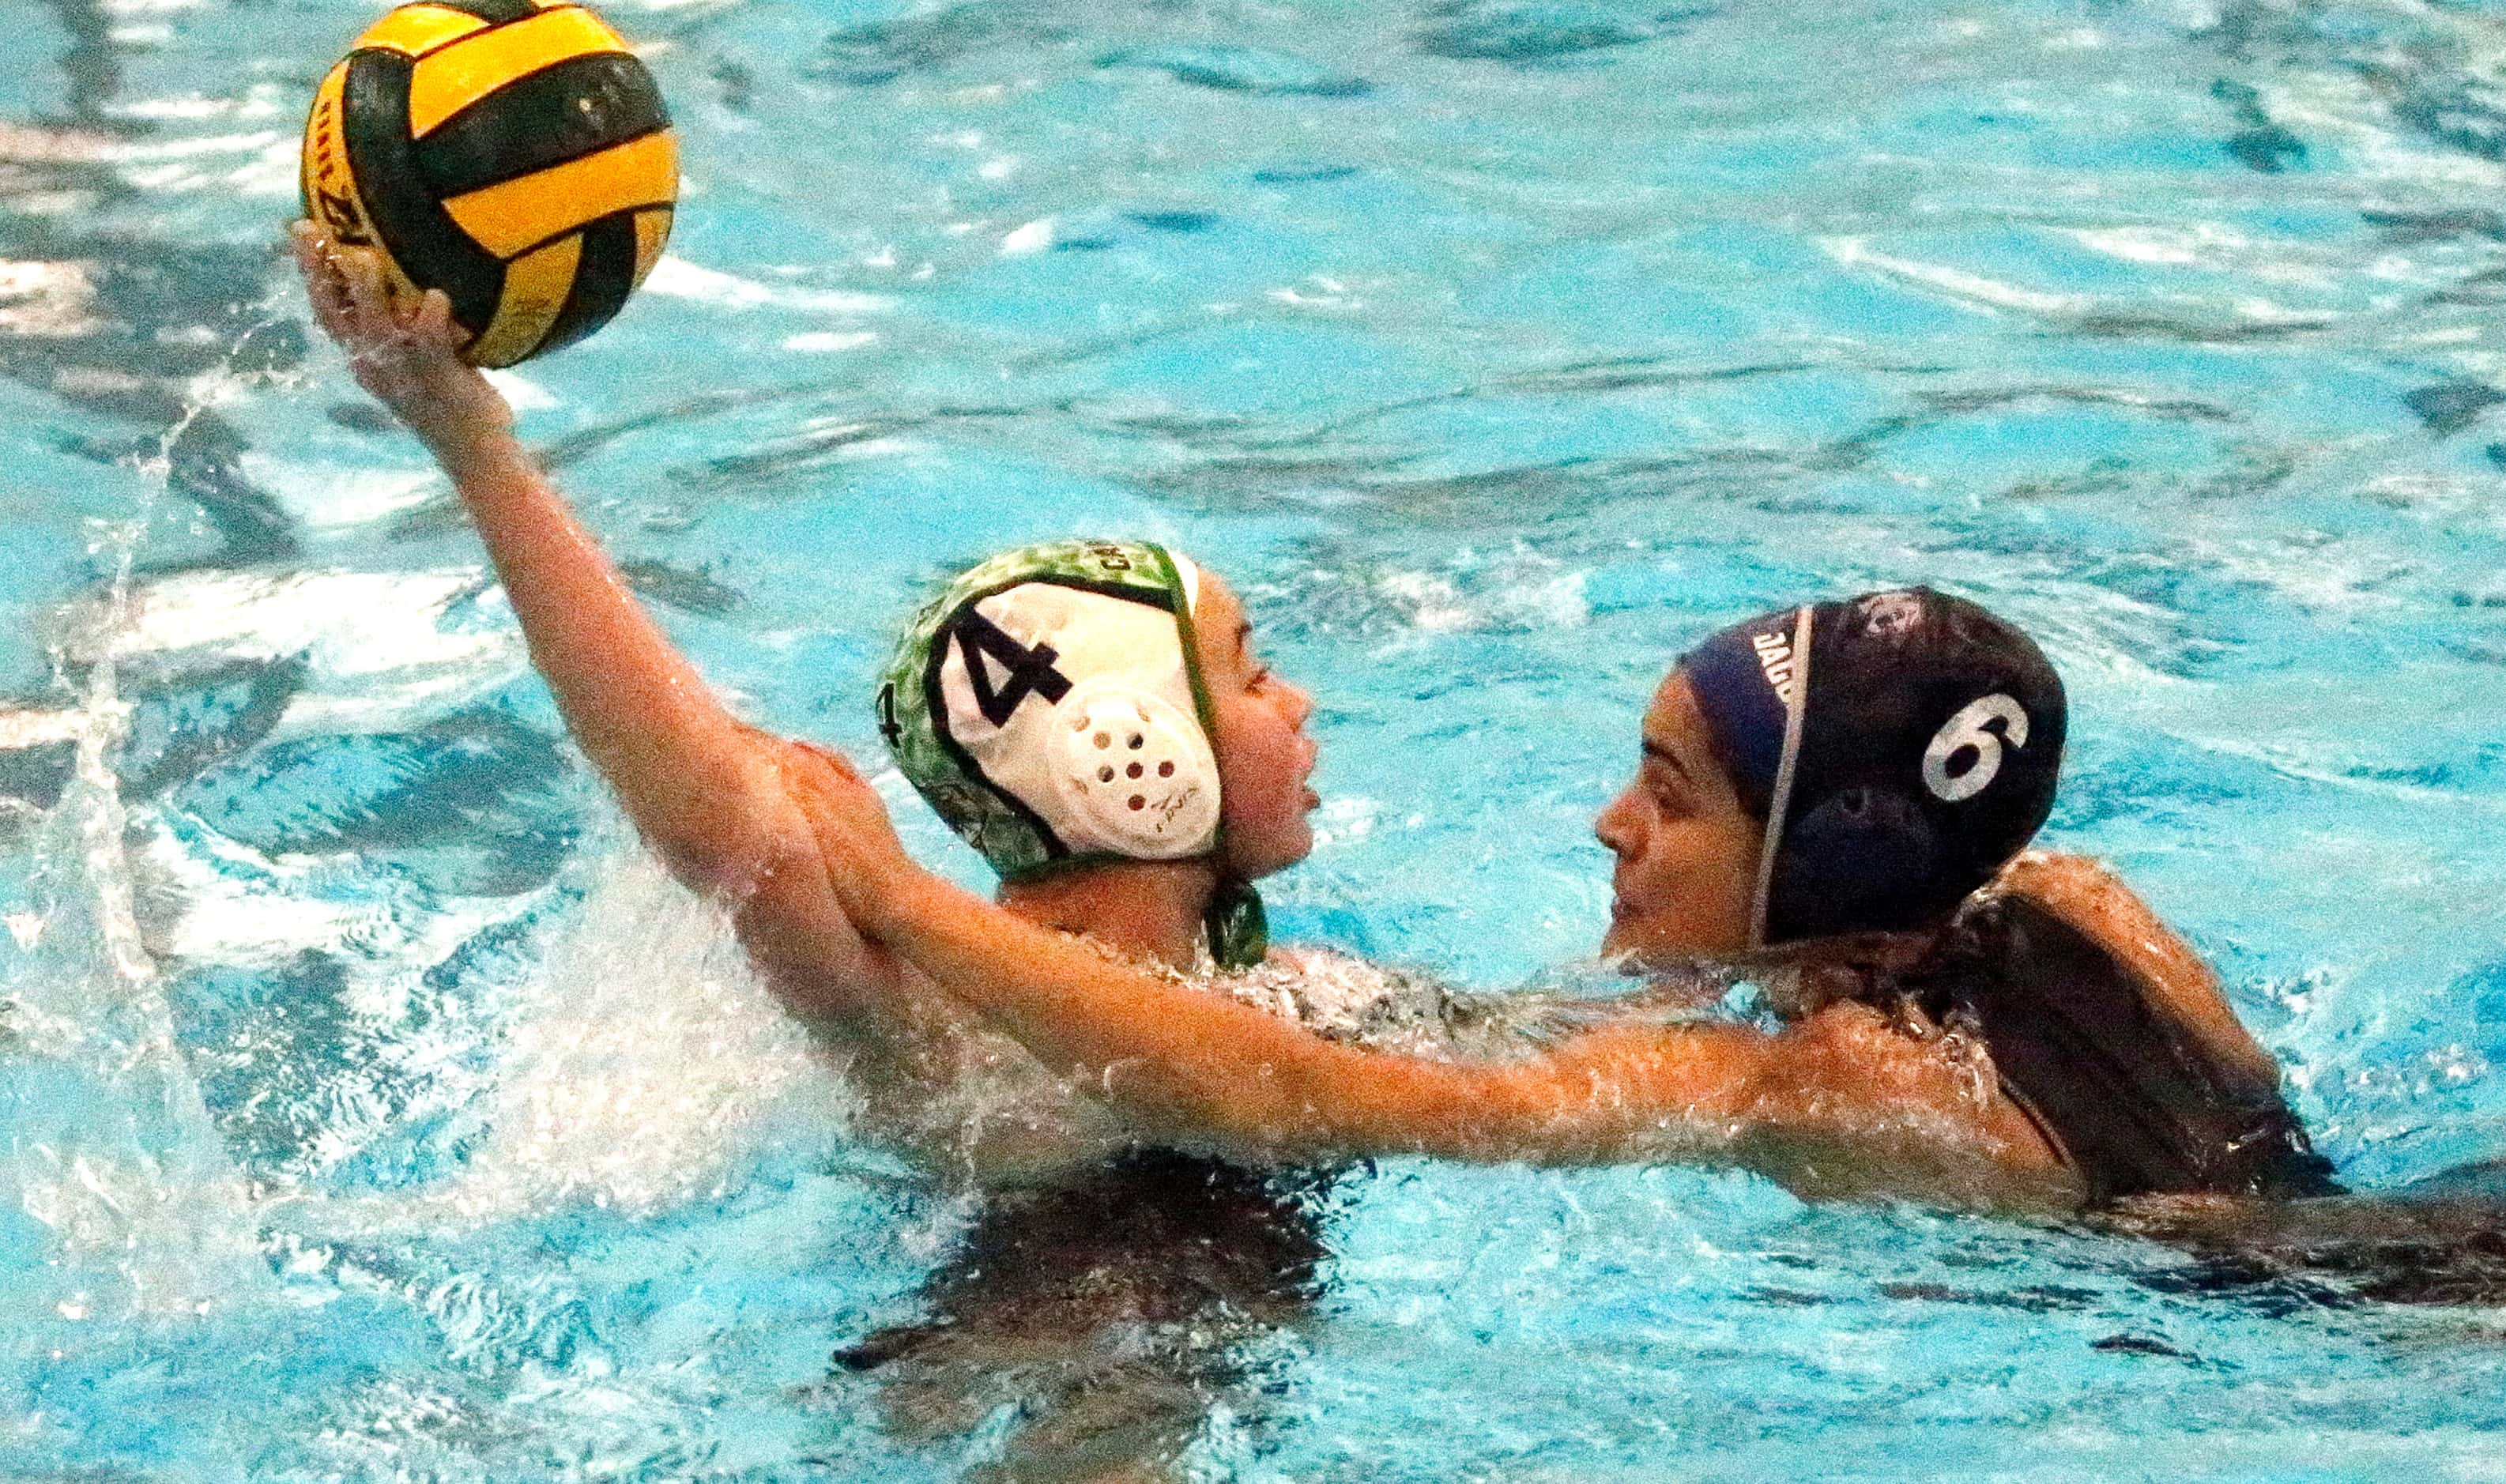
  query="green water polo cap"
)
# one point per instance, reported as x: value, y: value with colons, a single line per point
x: 1049, y: 704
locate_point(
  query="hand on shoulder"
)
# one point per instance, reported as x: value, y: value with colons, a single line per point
x: 866, y: 864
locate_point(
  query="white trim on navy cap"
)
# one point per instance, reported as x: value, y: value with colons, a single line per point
x: 1796, y: 711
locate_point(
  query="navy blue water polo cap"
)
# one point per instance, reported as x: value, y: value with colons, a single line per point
x: 1902, y: 747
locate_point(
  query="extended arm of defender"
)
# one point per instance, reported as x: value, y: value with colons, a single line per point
x: 1838, y: 1105
x: 700, y: 787
x: 1199, y: 1069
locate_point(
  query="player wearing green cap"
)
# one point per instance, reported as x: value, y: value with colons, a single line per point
x: 1089, y: 715
x: 1051, y: 705
x: 1833, y: 783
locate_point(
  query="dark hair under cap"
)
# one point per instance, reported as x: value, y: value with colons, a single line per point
x: 1902, y: 747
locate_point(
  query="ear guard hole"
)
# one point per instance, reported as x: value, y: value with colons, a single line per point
x: 1137, y: 779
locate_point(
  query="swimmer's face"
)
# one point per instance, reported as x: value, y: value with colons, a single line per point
x: 1263, y: 755
x: 1686, y: 849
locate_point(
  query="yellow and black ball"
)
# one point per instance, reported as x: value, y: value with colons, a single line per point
x: 512, y: 152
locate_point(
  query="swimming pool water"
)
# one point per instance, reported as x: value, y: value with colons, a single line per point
x: 370, y: 1112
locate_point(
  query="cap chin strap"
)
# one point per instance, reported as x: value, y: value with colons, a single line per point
x: 1796, y: 709
x: 1237, y: 929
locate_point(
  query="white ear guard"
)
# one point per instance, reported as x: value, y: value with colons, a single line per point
x: 1082, y: 711
x: 1135, y: 776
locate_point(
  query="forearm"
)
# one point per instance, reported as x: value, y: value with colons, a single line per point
x: 703, y: 790
x: 1841, y: 1105
x: 1180, y: 1063
x: 1195, y: 1067
x: 685, y: 771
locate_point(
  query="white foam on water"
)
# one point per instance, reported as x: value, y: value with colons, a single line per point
x: 1516, y: 589
x: 1971, y: 290
x: 819, y: 342
x: 193, y: 147
x: 675, y: 278
x: 48, y: 300
x: 108, y: 1144
x: 367, y: 622
x: 335, y: 496
x: 378, y: 641
x: 644, y: 1066
x: 1033, y: 238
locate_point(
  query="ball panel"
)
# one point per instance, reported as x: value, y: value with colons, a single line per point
x: 652, y: 235
x: 414, y: 30
x: 511, y: 219
x: 455, y: 77
x: 418, y: 236
x: 537, y: 289
x: 601, y: 282
x: 322, y: 170
x: 577, y: 107
x: 494, y: 12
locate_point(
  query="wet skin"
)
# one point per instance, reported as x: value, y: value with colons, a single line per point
x: 1686, y: 849
x: 1263, y: 755
x: 729, y: 808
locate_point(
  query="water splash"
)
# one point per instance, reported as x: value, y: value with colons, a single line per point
x: 110, y: 1148
x: 645, y: 1065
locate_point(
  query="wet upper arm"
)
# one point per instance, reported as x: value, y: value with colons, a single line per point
x: 723, y: 838
x: 790, y: 919
x: 1592, y: 1100
x: 1851, y: 1105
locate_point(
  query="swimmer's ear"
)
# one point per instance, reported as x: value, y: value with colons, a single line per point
x: 1857, y: 862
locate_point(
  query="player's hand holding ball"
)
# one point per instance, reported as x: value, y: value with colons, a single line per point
x: 402, y: 351
x: 487, y: 181
x: 512, y: 156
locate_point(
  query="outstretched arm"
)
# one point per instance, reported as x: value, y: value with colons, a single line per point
x: 725, y: 805
x: 1839, y: 1104
x: 699, y: 788
x: 1193, y: 1067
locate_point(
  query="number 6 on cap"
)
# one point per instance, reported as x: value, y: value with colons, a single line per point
x: 1971, y: 729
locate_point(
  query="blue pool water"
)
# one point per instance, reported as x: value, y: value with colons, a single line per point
x: 369, y: 1110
